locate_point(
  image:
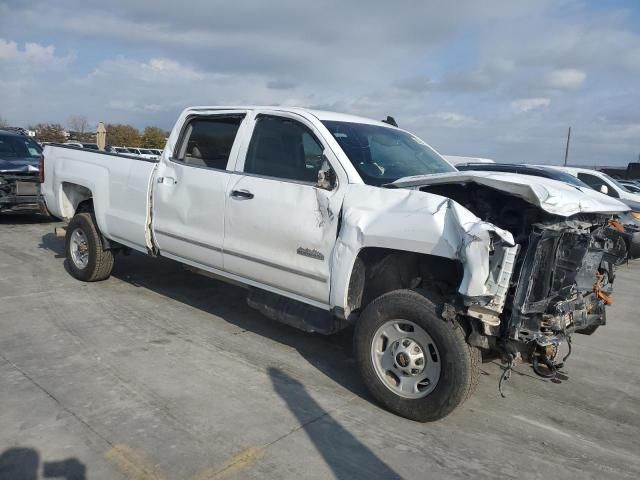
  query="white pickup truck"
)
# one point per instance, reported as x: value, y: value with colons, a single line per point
x: 334, y: 220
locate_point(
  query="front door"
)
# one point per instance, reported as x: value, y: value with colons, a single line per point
x: 280, y: 227
x: 190, y: 194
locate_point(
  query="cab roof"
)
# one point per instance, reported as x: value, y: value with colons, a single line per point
x: 321, y: 115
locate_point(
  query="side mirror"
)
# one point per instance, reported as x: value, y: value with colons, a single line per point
x: 326, y: 175
x: 604, y: 189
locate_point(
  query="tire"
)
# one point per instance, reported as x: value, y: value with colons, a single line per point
x: 98, y: 262
x: 459, y: 363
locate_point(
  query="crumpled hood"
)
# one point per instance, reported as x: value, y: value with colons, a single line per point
x: 552, y: 196
x: 19, y: 165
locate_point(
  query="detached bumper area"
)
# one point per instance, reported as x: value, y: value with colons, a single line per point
x: 19, y: 192
x: 565, y: 282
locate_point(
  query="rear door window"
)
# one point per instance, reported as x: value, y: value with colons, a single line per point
x: 207, y: 141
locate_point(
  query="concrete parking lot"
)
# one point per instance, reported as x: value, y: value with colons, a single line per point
x: 158, y: 373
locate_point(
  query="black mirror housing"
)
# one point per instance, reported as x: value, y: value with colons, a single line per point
x: 327, y: 179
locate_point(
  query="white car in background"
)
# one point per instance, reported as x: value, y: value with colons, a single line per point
x: 143, y: 153
x: 601, y: 182
x: 148, y: 154
x: 134, y: 151
x: 632, y: 185
x: 121, y: 151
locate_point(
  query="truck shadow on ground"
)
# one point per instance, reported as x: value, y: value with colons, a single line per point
x: 20, y: 463
x: 332, y: 355
x: 13, y: 219
x: 345, y: 455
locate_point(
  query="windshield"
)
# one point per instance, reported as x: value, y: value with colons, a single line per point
x: 384, y: 154
x: 18, y: 147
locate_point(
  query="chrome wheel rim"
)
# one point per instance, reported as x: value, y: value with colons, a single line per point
x: 406, y: 359
x: 79, y: 248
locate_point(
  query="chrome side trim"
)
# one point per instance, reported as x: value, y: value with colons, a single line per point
x: 317, y: 278
x: 279, y: 267
x: 188, y: 240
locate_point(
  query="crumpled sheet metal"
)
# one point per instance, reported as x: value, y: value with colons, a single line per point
x: 550, y: 195
x: 413, y: 221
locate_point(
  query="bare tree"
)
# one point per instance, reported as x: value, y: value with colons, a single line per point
x: 3, y: 122
x: 79, y: 125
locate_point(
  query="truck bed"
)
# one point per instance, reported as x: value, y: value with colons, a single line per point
x: 118, y: 184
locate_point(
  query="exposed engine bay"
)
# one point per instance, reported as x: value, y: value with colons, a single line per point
x: 560, y: 280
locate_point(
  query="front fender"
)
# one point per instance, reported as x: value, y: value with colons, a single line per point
x: 412, y: 221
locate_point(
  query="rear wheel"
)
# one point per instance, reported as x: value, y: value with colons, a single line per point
x: 415, y: 363
x: 86, y: 257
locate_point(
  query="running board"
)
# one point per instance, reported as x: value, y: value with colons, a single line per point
x: 293, y: 313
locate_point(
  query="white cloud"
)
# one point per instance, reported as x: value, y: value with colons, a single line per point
x: 8, y: 49
x: 32, y: 54
x: 39, y: 54
x: 566, y: 78
x: 156, y: 70
x: 450, y: 119
x: 524, y: 105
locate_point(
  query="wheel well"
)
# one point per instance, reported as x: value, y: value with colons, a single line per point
x: 380, y: 270
x: 85, y: 206
x: 75, y: 198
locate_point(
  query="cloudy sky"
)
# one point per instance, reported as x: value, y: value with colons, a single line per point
x: 501, y: 79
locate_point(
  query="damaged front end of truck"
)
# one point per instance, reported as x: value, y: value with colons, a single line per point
x: 563, y: 284
x: 561, y: 281
x: 553, y: 280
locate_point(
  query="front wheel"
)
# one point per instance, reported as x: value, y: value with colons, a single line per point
x: 414, y: 363
x: 86, y: 257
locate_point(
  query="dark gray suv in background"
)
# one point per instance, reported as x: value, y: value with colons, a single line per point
x: 19, y: 172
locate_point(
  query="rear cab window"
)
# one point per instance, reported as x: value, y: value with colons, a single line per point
x: 206, y: 142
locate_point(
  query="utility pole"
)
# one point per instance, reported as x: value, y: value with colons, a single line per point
x: 566, y: 151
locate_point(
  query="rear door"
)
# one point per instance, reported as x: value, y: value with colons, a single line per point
x: 280, y: 226
x: 190, y: 194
